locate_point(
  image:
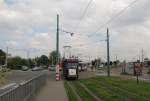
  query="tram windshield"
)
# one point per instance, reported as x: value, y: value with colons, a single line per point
x: 72, y: 65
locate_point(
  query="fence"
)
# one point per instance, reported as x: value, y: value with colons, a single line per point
x: 24, y: 91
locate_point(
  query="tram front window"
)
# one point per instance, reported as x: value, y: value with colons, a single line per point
x: 72, y: 65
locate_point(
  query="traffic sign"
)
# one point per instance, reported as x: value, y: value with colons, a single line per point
x: 137, y: 67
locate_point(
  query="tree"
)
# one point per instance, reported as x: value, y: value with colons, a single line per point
x: 53, y: 57
x: 31, y: 63
x: 2, y: 57
x: 43, y: 60
x: 14, y: 62
x: 17, y: 62
x: 24, y: 62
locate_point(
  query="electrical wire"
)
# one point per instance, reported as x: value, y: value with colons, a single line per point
x: 83, y: 15
x: 117, y: 15
x: 110, y: 20
x: 80, y: 20
x: 85, y: 11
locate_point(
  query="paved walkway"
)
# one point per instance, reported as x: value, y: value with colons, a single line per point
x: 53, y: 91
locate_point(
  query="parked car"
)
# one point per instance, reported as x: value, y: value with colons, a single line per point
x: 37, y: 69
x: 52, y: 68
x: 44, y: 67
x: 24, y: 68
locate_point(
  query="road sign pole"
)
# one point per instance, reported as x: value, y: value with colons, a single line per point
x: 108, y: 57
x: 142, y: 58
x: 137, y: 78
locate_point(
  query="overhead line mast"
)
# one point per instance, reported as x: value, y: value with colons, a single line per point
x: 57, y: 39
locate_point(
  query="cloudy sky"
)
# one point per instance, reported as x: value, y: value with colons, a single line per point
x: 31, y: 25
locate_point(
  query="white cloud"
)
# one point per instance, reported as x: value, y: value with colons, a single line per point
x: 1, y: 3
x: 12, y: 43
x: 32, y: 24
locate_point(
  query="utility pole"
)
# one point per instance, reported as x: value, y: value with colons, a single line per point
x: 142, y: 57
x: 108, y: 57
x: 139, y: 58
x: 6, y: 57
x: 57, y: 39
x: 28, y: 57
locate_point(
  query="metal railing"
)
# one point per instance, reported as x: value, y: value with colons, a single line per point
x: 24, y: 91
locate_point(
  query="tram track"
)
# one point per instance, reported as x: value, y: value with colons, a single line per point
x: 81, y: 92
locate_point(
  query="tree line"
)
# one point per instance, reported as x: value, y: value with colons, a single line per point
x: 16, y: 62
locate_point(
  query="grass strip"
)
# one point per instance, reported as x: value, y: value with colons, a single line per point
x: 90, y: 92
x: 71, y: 95
x: 104, y: 93
x: 122, y: 92
x: 142, y: 89
x: 84, y: 95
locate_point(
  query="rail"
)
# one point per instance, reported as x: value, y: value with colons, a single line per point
x: 25, y: 90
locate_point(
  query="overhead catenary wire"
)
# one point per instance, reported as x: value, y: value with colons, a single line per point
x: 85, y: 11
x: 80, y: 19
x: 83, y: 14
x: 111, y: 19
x: 116, y: 16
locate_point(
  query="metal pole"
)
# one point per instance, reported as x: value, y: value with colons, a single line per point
x: 6, y: 57
x: 108, y: 57
x: 28, y: 57
x: 57, y: 39
x: 142, y: 60
x: 142, y: 57
x: 137, y: 78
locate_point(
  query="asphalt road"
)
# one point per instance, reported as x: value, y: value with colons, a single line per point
x: 21, y: 76
x: 17, y: 77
